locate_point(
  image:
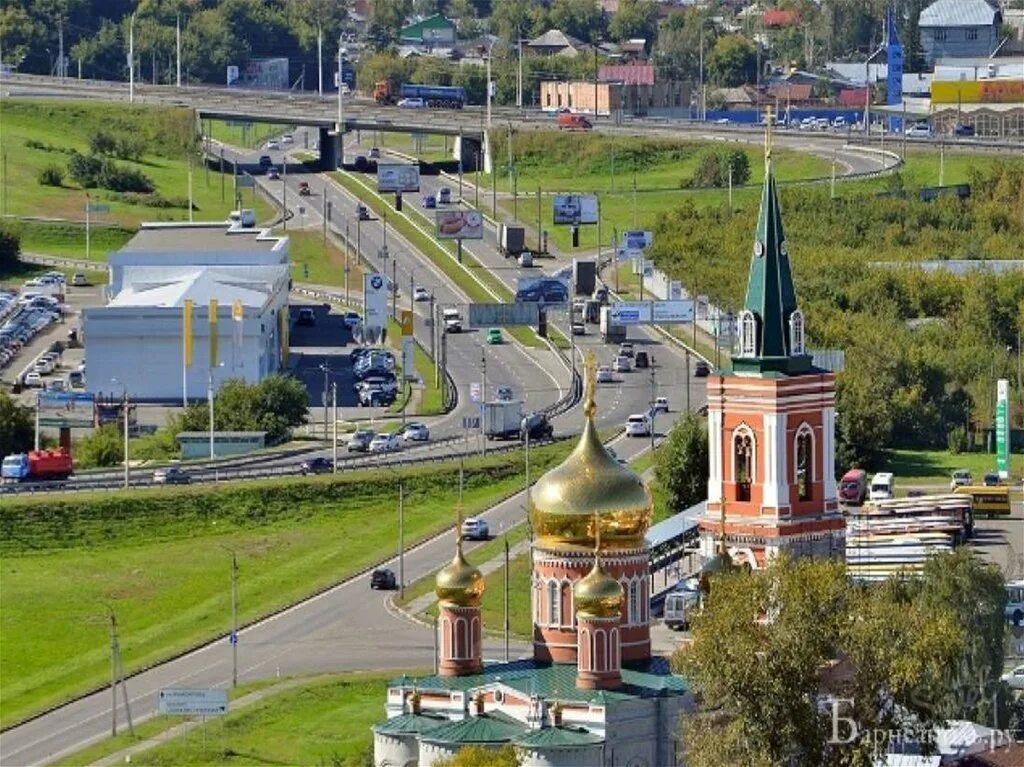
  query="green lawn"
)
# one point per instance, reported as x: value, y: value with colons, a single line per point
x: 428, y: 147
x: 37, y: 134
x: 155, y: 556
x: 318, y: 263
x: 245, y: 135
x: 936, y: 466
x: 325, y: 721
x: 67, y: 239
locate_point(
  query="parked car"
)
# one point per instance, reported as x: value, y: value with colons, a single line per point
x: 853, y: 487
x: 352, y: 319
x: 1015, y: 678
x: 360, y: 440
x: 623, y: 364
x: 318, y: 465
x: 76, y: 379
x: 960, y: 478
x: 171, y: 476
x: 920, y: 130
x: 385, y: 443
x: 306, y: 316
x: 415, y: 432
x: 702, y: 369
x: 79, y: 280
x: 33, y: 378
x: 882, y: 487
x: 383, y: 579
x: 420, y: 294
x: 494, y: 335
x: 604, y: 374
x: 963, y: 130
x: 638, y: 425
x: 429, y: 201
x: 475, y: 529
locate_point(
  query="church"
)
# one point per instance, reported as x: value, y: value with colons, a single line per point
x: 592, y: 692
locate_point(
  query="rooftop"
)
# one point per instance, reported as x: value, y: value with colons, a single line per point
x: 491, y: 727
x: 206, y: 236
x: 169, y: 287
x: 958, y: 13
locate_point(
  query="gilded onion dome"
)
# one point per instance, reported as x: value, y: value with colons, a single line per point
x: 459, y: 583
x: 597, y: 594
x: 589, y: 489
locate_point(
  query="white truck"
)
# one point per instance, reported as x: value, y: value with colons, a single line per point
x: 611, y: 332
x: 502, y: 420
x: 511, y: 239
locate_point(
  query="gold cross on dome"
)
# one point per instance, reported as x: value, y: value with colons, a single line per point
x: 590, y: 384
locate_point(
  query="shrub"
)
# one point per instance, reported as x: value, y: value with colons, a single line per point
x: 10, y: 247
x: 130, y: 147
x: 118, y: 178
x: 84, y: 169
x: 51, y: 175
x: 956, y: 440
x: 102, y: 142
x: 715, y: 166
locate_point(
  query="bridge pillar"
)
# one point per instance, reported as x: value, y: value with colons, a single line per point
x: 330, y: 144
x: 471, y: 151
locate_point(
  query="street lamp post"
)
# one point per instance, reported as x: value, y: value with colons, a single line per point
x: 234, y: 614
x: 209, y: 397
x: 124, y: 408
x: 341, y: 109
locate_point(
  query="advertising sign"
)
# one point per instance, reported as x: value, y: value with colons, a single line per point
x: 1003, y: 428
x: 672, y: 311
x: 637, y: 240
x: 398, y: 177
x: 375, y: 303
x: 66, y: 409
x: 409, y: 359
x: 648, y: 312
x: 192, y: 702
x: 544, y: 290
x: 574, y: 209
x: 474, y: 392
x: 630, y: 312
x: 996, y: 91
x: 503, y: 315
x: 460, y: 225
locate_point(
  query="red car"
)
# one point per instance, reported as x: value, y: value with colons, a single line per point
x: 304, y: 189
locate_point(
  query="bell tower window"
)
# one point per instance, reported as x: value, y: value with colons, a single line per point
x: 743, y: 462
x: 796, y: 332
x: 748, y: 334
x: 804, y: 463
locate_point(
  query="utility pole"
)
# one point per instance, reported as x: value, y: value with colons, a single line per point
x: 519, y: 81
x: 60, y: 48
x: 320, y: 59
x: 131, y: 59
x: 394, y: 288
x: 284, y: 193
x: 190, y: 206
x: 348, y: 267
x: 124, y: 404
x: 483, y: 399
x: 177, y: 50
x: 209, y: 397
x: 540, y: 234
x: 401, y: 540
x: 506, y: 598
x: 326, y: 370
x: 117, y: 675
x: 233, y: 638
x: 341, y: 108
x: 687, y: 380
x: 222, y: 174
x: 489, y: 52
x: 334, y: 442
x: 651, y: 410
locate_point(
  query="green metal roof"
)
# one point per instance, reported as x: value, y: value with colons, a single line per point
x: 407, y: 724
x: 558, y: 737
x: 770, y: 293
x: 491, y: 727
x: 558, y: 681
x: 415, y: 30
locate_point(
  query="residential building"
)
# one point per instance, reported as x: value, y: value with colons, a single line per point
x: 555, y: 42
x: 665, y: 99
x: 959, y: 28
x: 431, y: 32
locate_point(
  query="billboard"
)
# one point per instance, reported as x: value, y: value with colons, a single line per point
x: 1003, y: 428
x: 543, y: 290
x: 66, y: 409
x: 637, y: 240
x: 503, y: 315
x: 398, y: 177
x: 648, y: 312
x: 460, y: 225
x: 375, y: 304
x: 574, y: 209
x: 999, y: 91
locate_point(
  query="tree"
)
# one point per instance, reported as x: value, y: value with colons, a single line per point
x: 275, y: 405
x: 17, y: 30
x: 635, y: 19
x: 388, y: 19
x: 479, y: 756
x: 17, y: 429
x: 677, y: 53
x: 732, y: 62
x: 10, y: 249
x: 209, y: 45
x: 104, y: 447
x: 682, y: 467
x: 307, y: 17
x: 582, y: 19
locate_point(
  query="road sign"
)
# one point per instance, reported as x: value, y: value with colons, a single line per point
x: 475, y: 392
x: 233, y: 639
x: 193, y: 702
x: 1003, y: 428
x: 407, y: 322
x: 97, y: 207
x: 471, y: 422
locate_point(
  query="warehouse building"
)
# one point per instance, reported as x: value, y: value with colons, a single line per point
x: 189, y: 305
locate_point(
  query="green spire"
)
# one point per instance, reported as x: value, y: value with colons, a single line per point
x: 770, y: 294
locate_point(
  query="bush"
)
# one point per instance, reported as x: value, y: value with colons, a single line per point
x: 274, y: 405
x: 51, y: 175
x: 104, y: 447
x: 84, y: 169
x: 714, y: 169
x: 10, y: 248
x: 956, y: 440
x: 102, y: 142
x: 130, y: 148
x: 682, y: 468
x: 118, y: 178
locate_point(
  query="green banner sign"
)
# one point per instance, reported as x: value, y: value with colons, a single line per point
x: 1003, y: 427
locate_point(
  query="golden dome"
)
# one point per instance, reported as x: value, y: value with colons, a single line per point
x: 590, y: 488
x: 597, y: 594
x: 459, y: 583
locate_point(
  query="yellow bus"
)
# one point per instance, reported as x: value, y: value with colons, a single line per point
x: 989, y: 500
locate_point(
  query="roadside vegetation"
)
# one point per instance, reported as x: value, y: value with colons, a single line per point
x: 155, y: 556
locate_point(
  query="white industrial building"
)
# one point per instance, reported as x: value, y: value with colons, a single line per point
x: 137, y: 340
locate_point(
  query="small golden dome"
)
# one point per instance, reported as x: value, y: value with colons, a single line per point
x: 459, y: 583
x: 597, y: 594
x: 590, y: 488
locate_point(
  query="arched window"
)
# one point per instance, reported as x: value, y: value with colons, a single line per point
x: 634, y: 603
x: 803, y: 462
x: 748, y: 334
x: 554, y: 603
x: 743, y: 462
x: 796, y: 332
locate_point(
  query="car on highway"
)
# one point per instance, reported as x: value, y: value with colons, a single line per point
x: 360, y: 440
x: 374, y: 153
x: 420, y: 293
x: 304, y: 190
x: 444, y: 196
x: 660, y: 404
x: 503, y: 393
x: 579, y: 328
x: 963, y: 130
x: 171, y: 476
x: 991, y: 479
x: 960, y: 478
x: 287, y: 138
x: 265, y: 161
x: 475, y: 529
x: 383, y: 579
x: 306, y: 316
x: 601, y: 295
x: 412, y: 103
x: 839, y: 123
x: 641, y: 360
x: 638, y: 425
x: 429, y: 201
x: 415, y: 432
x: 362, y: 212
x: 318, y: 465
x: 361, y: 164
x: 494, y: 335
x: 623, y: 364
x: 273, y: 173
x: 626, y: 350
x: 536, y: 426
x: 351, y: 319
x: 452, y: 321
x: 604, y: 374
x: 702, y: 369
x: 385, y: 443
x: 273, y: 144
x: 79, y: 280
x: 920, y: 130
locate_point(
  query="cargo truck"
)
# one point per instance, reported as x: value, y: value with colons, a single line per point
x: 611, y: 332
x: 511, y: 239
x: 584, y: 276
x: 502, y: 420
x: 434, y: 96
x: 36, y: 466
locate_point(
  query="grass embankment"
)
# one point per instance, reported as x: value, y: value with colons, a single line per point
x: 427, y: 147
x: 318, y: 263
x: 936, y: 466
x: 325, y: 720
x: 237, y: 133
x: 155, y: 556
x: 38, y: 134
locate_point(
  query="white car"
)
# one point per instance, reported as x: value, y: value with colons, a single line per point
x: 416, y: 432
x: 604, y: 374
x: 474, y: 528
x: 385, y: 443
x: 33, y: 379
x: 79, y: 280
x: 286, y: 138
x: 412, y: 103
x: 660, y: 404
x: 623, y: 364
x: 420, y: 293
x: 1015, y: 678
x: 638, y: 426
x: 920, y: 130
x: 273, y: 144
